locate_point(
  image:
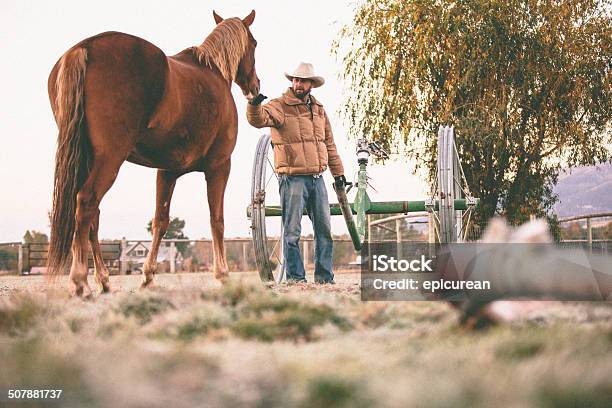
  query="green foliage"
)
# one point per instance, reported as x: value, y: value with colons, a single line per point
x: 526, y: 85
x: 8, y: 258
x: 575, y: 396
x: 335, y: 392
x: 35, y: 237
x: 192, y: 324
x: 144, y: 307
x: 246, y: 311
x: 235, y: 293
x: 198, y: 326
x: 519, y: 350
x: 577, y: 230
x: 174, y: 231
x: 268, y: 317
x: 19, y: 313
x: 29, y: 362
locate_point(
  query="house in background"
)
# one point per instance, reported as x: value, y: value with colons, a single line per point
x: 136, y: 253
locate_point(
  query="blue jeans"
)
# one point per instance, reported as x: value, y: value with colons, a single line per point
x: 296, y: 193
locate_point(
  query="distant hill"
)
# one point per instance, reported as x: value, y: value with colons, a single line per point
x: 584, y: 190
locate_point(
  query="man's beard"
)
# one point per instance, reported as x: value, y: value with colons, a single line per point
x: 300, y: 93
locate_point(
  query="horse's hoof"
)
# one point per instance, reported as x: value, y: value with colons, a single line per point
x: 104, y: 288
x: 146, y: 284
x: 83, y: 292
x: 77, y: 290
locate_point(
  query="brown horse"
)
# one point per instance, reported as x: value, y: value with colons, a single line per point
x: 117, y: 97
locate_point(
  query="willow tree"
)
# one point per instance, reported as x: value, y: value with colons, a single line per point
x: 526, y: 84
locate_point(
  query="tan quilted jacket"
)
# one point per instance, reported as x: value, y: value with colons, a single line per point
x: 303, y: 140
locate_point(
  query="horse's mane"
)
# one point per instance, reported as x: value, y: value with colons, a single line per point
x: 224, y: 47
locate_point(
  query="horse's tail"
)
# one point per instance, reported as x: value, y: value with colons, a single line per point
x: 72, y: 156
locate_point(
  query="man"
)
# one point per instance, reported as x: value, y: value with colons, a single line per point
x: 303, y: 149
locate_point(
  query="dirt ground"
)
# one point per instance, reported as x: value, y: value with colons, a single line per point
x: 190, y: 341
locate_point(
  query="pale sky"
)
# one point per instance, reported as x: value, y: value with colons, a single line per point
x: 34, y: 35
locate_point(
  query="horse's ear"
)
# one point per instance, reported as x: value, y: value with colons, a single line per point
x: 217, y: 17
x: 248, y: 20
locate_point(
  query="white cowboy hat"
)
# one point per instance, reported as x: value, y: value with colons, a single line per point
x: 306, y: 71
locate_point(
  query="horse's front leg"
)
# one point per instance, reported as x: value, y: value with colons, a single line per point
x: 216, y: 181
x: 166, y: 180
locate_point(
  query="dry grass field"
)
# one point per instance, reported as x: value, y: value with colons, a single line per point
x: 191, y: 342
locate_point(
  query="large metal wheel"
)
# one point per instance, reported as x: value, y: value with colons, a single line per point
x: 450, y: 224
x: 265, y: 188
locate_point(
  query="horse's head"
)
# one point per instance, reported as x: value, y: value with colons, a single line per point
x: 246, y: 76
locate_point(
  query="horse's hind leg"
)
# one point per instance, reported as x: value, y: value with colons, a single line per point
x: 101, y: 272
x: 216, y: 181
x: 166, y: 180
x: 100, y: 179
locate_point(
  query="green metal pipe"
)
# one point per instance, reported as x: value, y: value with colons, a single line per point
x: 362, y: 201
x: 383, y: 207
